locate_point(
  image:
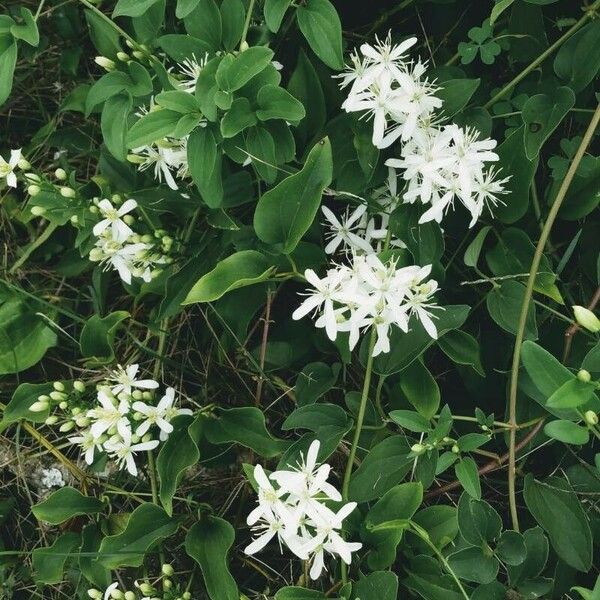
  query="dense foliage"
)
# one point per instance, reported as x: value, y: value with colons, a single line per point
x: 297, y: 299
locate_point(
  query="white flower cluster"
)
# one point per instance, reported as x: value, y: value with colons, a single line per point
x: 295, y: 511
x: 124, y: 420
x: 369, y: 293
x: 440, y: 163
x: 120, y: 248
x: 7, y: 168
x: 168, y: 156
x: 51, y: 477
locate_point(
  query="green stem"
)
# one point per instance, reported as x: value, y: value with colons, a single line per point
x: 34, y: 246
x: 535, y: 263
x: 247, y: 24
x: 420, y: 532
x: 589, y: 12
x: 378, y: 405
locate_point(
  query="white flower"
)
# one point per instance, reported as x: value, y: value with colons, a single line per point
x: 7, y: 169
x: 89, y: 444
x: 112, y: 219
x: 110, y: 589
x: 108, y: 415
x: 125, y: 378
x: 270, y: 525
x: 124, y: 450
x: 52, y: 477
x: 343, y: 231
x: 156, y: 415
x: 189, y: 71
x: 383, y: 56
x: 268, y: 497
x: 164, y: 158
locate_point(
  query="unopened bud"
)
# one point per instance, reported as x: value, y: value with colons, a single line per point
x: 455, y: 449
x: 584, y: 376
x: 168, y: 570
x: 591, y: 418
x: 51, y: 420
x: 95, y: 594
x: 39, y: 406
x: 59, y: 386
x: 244, y: 46
x: 586, y: 319
x: 60, y: 174
x: 58, y: 396
x: 146, y: 589
x: 79, y: 386
x: 63, y: 405
x: 117, y: 595
x: 33, y: 177
x: 418, y: 448
x: 68, y: 192
x: 82, y: 421
x: 136, y: 159
x: 123, y: 56
x: 147, y: 395
x: 139, y: 55
x: 24, y: 164
x: 68, y: 426
x: 129, y: 219
x: 187, y: 596
x: 37, y: 211
x: 33, y: 189
x: 74, y: 219
x: 137, y: 395
x: 130, y: 596
x: 105, y: 62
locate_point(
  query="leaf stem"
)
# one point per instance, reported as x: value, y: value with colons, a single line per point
x: 247, y: 24
x: 589, y: 12
x: 535, y: 263
x: 43, y: 237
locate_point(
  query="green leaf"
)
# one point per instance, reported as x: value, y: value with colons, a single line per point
x: 567, y: 432
x: 152, y: 127
x: 147, y: 525
x: 400, y: 503
x: 316, y: 416
x: 239, y: 117
x: 474, y: 248
x: 313, y: 381
x: 385, y: 465
x: 98, y: 336
x: 277, y: 103
x: 511, y: 548
x: 467, y: 474
x: 238, y: 270
x: 235, y: 72
x: 284, y: 214
x: 320, y: 24
x: 113, y: 122
x: 179, y: 101
x: 49, y: 563
x: 274, y: 11
x: 514, y: 162
x: 245, y: 426
x: 132, y: 8
x: 65, y: 503
x: 260, y: 147
x: 541, y: 115
x: 440, y: 522
x: 181, y: 46
x: 504, y: 305
x: 561, y: 515
x: 578, y: 59
x: 179, y: 452
x: 473, y: 564
x: 208, y: 542
x: 204, y: 22
x: 380, y: 585
x: 28, y: 30
x: 104, y: 37
x: 421, y: 389
x: 24, y: 396
x: 498, y: 9
x: 108, y: 85
x: 8, y: 61
x: 407, y: 347
x: 24, y: 337
x: 298, y: 593
x: 185, y: 7
x: 408, y: 419
x: 478, y: 522
x: 463, y: 349
x: 233, y: 16
x: 571, y: 394
x: 536, y: 544
x: 205, y: 162
x: 456, y: 94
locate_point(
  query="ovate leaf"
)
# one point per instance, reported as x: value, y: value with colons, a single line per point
x: 320, y: 24
x: 64, y: 504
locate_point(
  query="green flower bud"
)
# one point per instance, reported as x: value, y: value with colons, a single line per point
x: 63, y: 405
x: 74, y: 219
x: 586, y: 319
x: 146, y: 589
x: 117, y: 595
x: 418, y: 448
x: 167, y: 584
x: 82, y: 421
x: 33, y: 189
x: 455, y: 449
x: 139, y: 55
x: 116, y: 198
x: 584, y: 376
x: 591, y: 418
x: 168, y: 570
x: 51, y: 420
x: 79, y: 386
x: 95, y: 594
x: 136, y: 395
x: 24, y: 164
x: 58, y: 396
x: 187, y: 596
x: 130, y: 596
x: 59, y: 386
x: 244, y: 46
x: 66, y: 427
x: 75, y: 411
x: 60, y: 174
x: 123, y: 56
x: 147, y: 395
x: 39, y: 406
x: 105, y: 62
x: 94, y: 209
x: 33, y: 177
x: 37, y: 211
x: 67, y: 192
x: 129, y: 219
x: 136, y: 159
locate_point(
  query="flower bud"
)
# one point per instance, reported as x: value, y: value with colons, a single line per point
x: 51, y: 420
x: 58, y: 396
x: 418, y: 448
x: 123, y: 56
x: 187, y: 596
x: 591, y: 418
x: 93, y: 209
x: 60, y: 174
x: 129, y: 44
x: 167, y: 584
x: 117, y: 594
x: 95, y: 594
x: 59, y: 386
x: 33, y: 189
x: 82, y: 421
x: 66, y: 427
x: 455, y: 449
x: 147, y: 395
x: 67, y: 192
x: 24, y: 164
x: 130, y: 596
x: 136, y: 159
x: 63, y: 405
x: 79, y: 386
x: 105, y: 62
x: 129, y: 219
x: 244, y: 46
x: 139, y: 55
x: 168, y: 570
x: 75, y: 411
x: 39, y: 406
x: 74, y: 219
x: 33, y: 177
x: 37, y: 211
x: 146, y: 589
x: 136, y: 395
x: 586, y: 319
x: 584, y: 376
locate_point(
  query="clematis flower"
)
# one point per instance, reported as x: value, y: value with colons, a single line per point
x: 7, y: 169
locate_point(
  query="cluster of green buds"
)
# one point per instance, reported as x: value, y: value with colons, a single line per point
x: 162, y: 588
x: 65, y: 397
